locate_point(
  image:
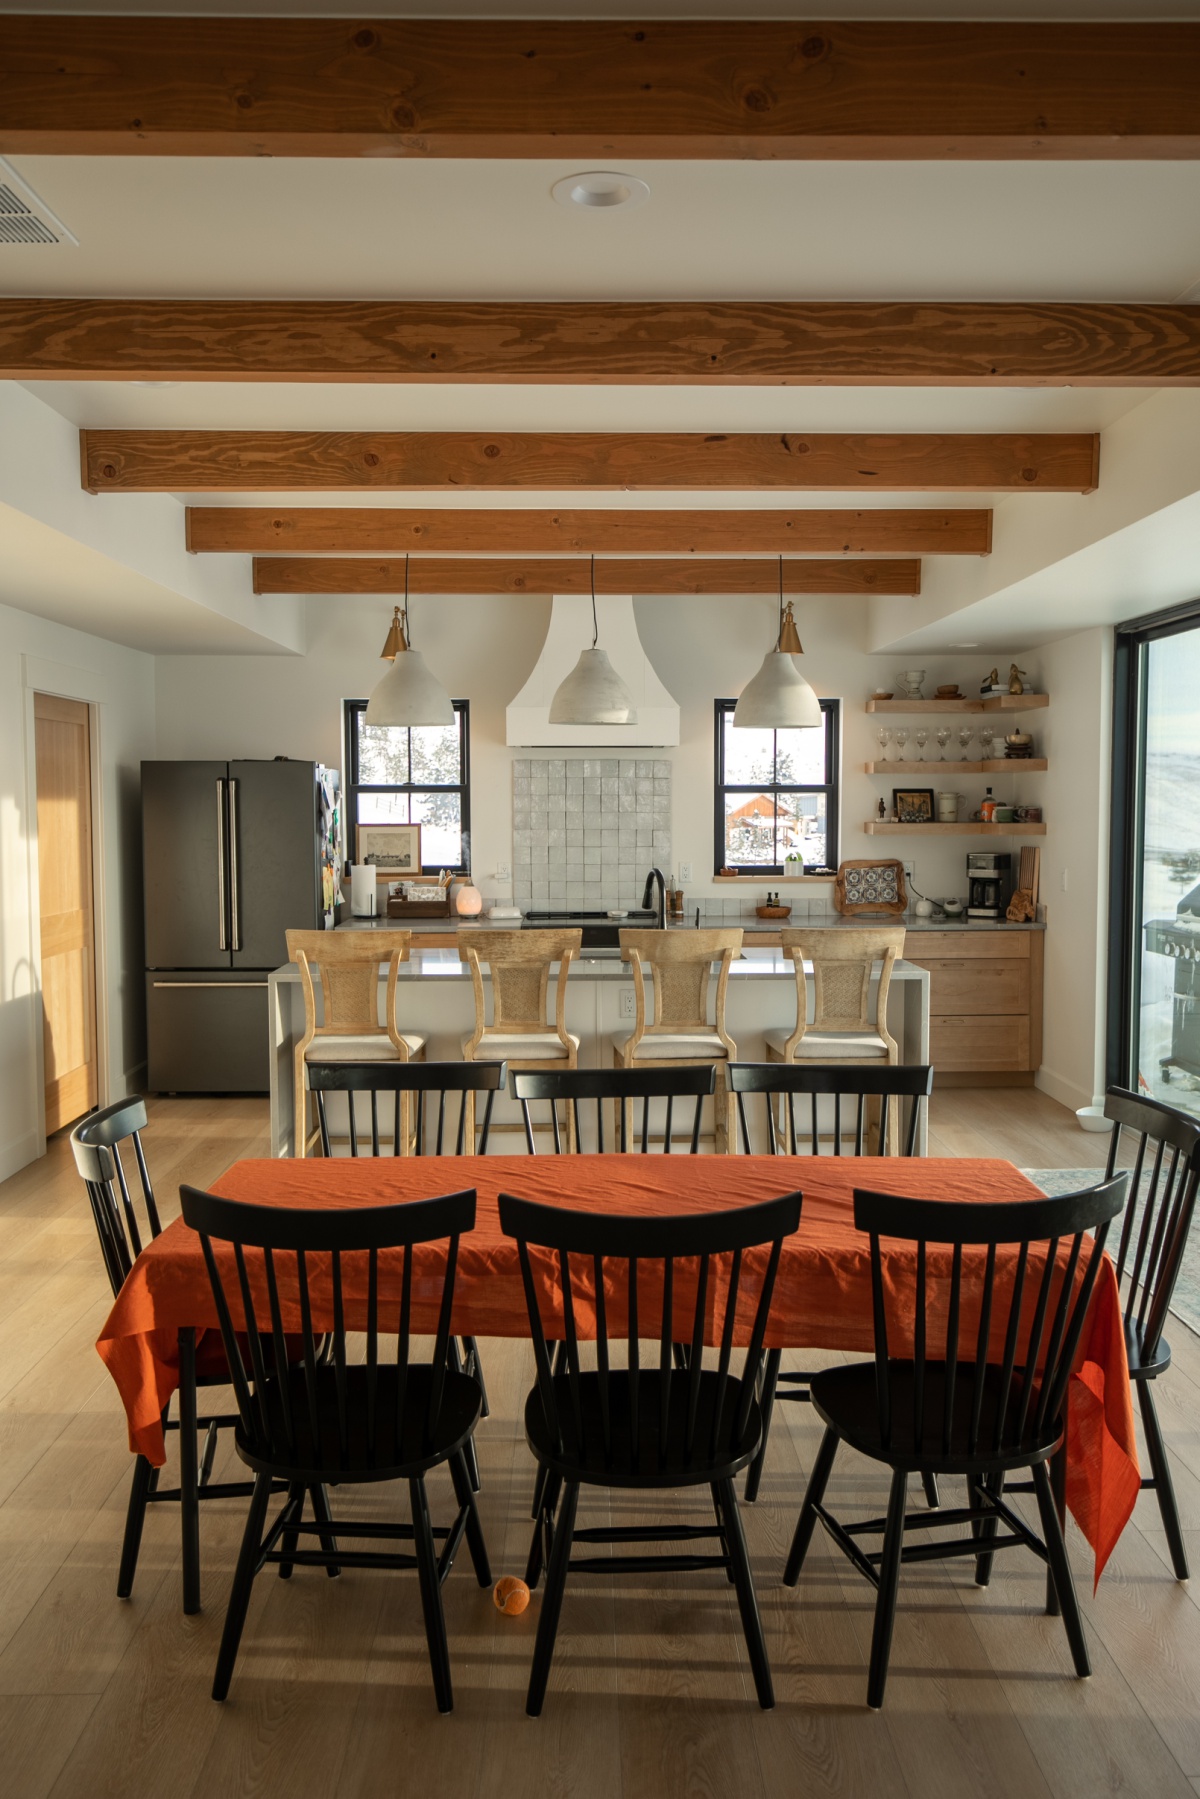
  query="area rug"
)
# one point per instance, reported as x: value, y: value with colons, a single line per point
x: 1186, y: 1303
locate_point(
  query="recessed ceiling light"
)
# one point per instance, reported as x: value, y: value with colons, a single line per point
x: 598, y: 189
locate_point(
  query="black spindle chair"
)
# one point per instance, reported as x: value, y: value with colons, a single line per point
x: 1154, y: 1236
x: 342, y: 1423
x: 781, y: 1083
x: 116, y: 1191
x: 645, y: 1428
x: 998, y: 1410
x: 431, y: 1131
x: 621, y: 1084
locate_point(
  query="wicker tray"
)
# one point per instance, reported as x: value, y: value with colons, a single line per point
x: 398, y: 908
x: 772, y: 911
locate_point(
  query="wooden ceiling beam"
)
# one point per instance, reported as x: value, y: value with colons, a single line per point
x: 597, y: 88
x: 386, y: 531
x: 330, y: 461
x: 607, y: 343
x: 556, y: 574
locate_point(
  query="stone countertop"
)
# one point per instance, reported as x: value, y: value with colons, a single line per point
x: 597, y: 965
x: 709, y: 919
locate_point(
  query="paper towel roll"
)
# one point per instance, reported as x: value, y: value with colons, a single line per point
x: 363, y: 889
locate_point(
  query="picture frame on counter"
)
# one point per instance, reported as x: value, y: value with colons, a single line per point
x: 390, y: 849
x: 913, y: 805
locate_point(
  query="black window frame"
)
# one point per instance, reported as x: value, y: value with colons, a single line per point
x: 353, y: 710
x: 1131, y: 646
x: 831, y: 787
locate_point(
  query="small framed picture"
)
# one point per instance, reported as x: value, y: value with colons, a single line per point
x: 390, y: 849
x: 914, y: 805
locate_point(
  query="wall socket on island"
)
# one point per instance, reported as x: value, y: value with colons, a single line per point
x: 628, y: 1008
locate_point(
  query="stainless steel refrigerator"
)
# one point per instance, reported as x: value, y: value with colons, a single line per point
x: 234, y: 855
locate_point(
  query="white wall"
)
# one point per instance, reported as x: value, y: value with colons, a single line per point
x: 482, y: 648
x: 37, y: 656
x: 1075, y: 851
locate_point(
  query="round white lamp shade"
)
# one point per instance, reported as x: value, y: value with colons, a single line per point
x: 778, y: 698
x: 409, y: 695
x: 593, y: 694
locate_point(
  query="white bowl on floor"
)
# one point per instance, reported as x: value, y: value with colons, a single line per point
x: 1091, y: 1118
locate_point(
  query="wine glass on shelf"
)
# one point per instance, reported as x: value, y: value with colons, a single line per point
x: 921, y: 738
x: 943, y: 737
x: 986, y: 742
x: 884, y: 735
x: 965, y: 734
x: 901, y: 741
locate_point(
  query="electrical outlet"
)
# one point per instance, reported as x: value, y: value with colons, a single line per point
x: 908, y: 871
x: 503, y: 872
x: 1064, y: 880
x: 628, y: 1009
x: 685, y: 871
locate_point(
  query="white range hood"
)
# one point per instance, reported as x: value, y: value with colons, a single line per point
x: 528, y: 718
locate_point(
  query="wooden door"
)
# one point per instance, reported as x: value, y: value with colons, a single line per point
x: 64, y: 823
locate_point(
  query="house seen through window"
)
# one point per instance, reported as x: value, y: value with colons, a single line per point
x: 776, y: 796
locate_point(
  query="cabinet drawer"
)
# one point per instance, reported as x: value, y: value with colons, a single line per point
x: 979, y: 1043
x: 967, y: 946
x: 986, y: 988
x: 434, y: 940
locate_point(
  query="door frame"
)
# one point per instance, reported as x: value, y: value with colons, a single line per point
x: 1131, y: 644
x: 63, y: 682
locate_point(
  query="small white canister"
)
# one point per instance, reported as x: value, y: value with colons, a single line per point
x: 364, y: 889
x: 947, y: 808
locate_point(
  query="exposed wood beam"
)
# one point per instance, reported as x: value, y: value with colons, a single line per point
x: 597, y: 88
x: 556, y: 574
x: 668, y: 343
x: 385, y: 531
x: 325, y: 461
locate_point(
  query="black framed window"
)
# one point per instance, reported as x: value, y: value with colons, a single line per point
x: 777, y: 796
x: 1154, y: 895
x: 412, y: 774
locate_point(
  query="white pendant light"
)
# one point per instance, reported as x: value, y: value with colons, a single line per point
x: 593, y: 693
x: 779, y: 698
x: 408, y: 694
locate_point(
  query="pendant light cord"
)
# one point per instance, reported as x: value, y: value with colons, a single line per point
x: 407, y: 627
x: 779, y: 638
x: 595, y: 621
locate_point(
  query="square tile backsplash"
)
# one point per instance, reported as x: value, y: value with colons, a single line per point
x: 586, y: 829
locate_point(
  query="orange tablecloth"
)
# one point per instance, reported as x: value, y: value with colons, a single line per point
x: 822, y: 1299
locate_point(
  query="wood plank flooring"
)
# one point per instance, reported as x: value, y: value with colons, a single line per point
x: 650, y: 1696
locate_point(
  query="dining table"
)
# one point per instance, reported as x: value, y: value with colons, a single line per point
x: 822, y: 1298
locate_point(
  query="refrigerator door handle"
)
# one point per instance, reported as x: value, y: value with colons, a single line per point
x: 222, y: 941
x: 235, y: 905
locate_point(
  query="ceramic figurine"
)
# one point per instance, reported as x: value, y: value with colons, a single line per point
x: 1015, y: 683
x: 882, y: 812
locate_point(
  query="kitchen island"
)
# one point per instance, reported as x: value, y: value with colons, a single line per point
x: 435, y: 998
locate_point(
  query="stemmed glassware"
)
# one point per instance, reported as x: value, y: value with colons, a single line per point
x: 986, y: 736
x: 965, y: 734
x: 901, y: 741
x: 884, y: 735
x: 943, y: 737
x: 921, y: 738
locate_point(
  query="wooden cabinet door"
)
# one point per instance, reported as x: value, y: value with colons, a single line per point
x: 980, y: 987
x: 62, y: 738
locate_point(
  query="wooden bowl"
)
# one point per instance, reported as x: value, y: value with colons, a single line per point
x: 773, y: 911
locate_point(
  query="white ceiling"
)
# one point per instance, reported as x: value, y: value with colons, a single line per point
x: 361, y: 228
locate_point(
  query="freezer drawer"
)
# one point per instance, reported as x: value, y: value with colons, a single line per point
x: 207, y: 1033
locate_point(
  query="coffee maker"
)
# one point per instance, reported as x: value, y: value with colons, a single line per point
x: 989, y: 885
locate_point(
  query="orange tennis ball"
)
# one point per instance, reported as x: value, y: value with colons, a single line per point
x: 511, y: 1595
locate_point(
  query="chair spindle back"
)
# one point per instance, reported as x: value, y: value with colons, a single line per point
x: 95, y: 1144
x: 1154, y: 1234
x: 609, y: 1253
x: 601, y: 1084
x: 421, y: 1081
x: 1037, y: 1317
x: 283, y: 1257
x: 857, y: 1082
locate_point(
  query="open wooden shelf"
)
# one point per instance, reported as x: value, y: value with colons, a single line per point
x: 1002, y: 702
x: 875, y: 827
x: 771, y: 880
x: 998, y: 765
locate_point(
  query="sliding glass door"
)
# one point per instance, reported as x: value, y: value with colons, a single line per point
x: 1155, y: 1011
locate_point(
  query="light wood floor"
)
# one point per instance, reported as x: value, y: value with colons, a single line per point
x: 650, y: 1696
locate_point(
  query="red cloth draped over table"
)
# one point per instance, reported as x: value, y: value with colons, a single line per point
x: 822, y: 1298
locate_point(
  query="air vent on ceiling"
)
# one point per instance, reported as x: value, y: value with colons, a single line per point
x: 24, y: 218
